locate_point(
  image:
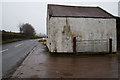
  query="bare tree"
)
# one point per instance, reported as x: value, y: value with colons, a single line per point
x: 27, y: 29
x: 20, y: 27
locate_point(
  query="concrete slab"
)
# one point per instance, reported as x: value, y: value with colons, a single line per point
x: 40, y: 64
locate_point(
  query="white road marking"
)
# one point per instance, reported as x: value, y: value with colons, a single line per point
x: 3, y: 50
x: 18, y: 45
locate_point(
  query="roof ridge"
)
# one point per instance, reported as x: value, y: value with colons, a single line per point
x: 86, y: 11
x: 72, y: 6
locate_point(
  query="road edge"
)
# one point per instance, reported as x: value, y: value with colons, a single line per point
x: 18, y: 65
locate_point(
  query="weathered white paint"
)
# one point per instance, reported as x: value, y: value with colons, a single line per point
x: 119, y: 8
x: 92, y: 45
x: 61, y: 31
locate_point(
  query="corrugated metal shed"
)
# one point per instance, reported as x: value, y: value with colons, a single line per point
x: 77, y: 11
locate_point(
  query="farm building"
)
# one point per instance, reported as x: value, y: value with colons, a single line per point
x: 80, y: 29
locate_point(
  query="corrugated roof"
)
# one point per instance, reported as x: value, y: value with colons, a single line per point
x: 77, y: 11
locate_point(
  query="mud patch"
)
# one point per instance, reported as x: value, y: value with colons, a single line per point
x: 64, y: 73
x: 38, y: 70
x: 67, y: 74
x: 40, y: 63
x: 34, y: 76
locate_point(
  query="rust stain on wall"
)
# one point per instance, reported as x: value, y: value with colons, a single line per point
x: 66, y: 37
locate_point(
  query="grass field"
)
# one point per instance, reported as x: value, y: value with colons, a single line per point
x: 10, y: 40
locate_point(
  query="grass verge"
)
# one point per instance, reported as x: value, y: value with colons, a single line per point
x: 11, y: 40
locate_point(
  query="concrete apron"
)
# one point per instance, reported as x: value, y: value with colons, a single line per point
x: 40, y: 64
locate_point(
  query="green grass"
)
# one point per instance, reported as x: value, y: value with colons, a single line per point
x: 113, y: 54
x: 41, y: 40
x: 11, y: 40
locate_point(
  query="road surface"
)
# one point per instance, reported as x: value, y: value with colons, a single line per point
x: 14, y: 52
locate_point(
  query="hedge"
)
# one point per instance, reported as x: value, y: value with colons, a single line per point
x: 9, y: 36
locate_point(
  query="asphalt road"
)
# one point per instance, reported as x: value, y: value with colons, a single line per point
x: 12, y: 53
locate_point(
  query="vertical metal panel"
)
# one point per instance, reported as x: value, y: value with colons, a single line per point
x: 110, y: 45
x: 74, y: 44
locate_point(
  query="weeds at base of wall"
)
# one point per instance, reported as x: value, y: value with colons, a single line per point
x: 113, y: 54
x: 40, y: 40
x: 67, y: 54
x: 53, y: 54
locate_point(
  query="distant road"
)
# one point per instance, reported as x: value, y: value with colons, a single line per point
x: 12, y: 53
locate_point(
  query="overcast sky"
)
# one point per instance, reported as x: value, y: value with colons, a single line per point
x: 15, y: 13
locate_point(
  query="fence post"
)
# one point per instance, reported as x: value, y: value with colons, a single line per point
x: 74, y: 45
x: 110, y: 45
